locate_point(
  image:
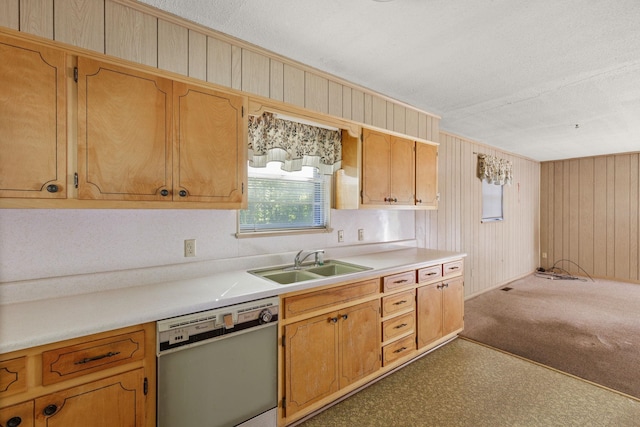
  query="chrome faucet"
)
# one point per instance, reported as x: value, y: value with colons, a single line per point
x: 297, y: 260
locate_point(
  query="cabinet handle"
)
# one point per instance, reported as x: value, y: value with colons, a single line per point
x: 454, y: 268
x: 345, y: 317
x: 164, y: 192
x: 91, y: 359
x: 439, y: 286
x: 400, y: 281
x: 333, y: 319
x: 419, y: 201
x: 50, y: 410
x: 432, y: 273
x: 52, y: 188
x: 182, y: 193
x: 400, y: 350
x: 404, y: 301
x: 400, y: 326
x: 445, y: 285
x: 395, y: 200
x: 14, y: 422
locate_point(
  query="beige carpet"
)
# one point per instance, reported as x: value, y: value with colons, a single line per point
x: 588, y: 329
x: 467, y: 384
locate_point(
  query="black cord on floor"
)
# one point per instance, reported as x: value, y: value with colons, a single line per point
x: 558, y: 273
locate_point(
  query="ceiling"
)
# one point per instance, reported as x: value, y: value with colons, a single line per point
x: 544, y: 79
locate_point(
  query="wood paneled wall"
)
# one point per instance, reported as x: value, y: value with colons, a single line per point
x: 589, y: 215
x: 497, y: 252
x: 139, y: 33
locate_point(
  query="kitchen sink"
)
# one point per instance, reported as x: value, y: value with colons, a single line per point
x: 287, y: 274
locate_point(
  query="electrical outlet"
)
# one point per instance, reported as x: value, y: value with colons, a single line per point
x: 544, y: 255
x: 340, y: 236
x: 190, y: 247
x: 361, y: 234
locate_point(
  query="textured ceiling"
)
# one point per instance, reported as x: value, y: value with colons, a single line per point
x: 514, y: 74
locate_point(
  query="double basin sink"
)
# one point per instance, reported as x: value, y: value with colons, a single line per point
x: 288, y: 274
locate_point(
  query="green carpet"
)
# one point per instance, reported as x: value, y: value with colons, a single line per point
x: 468, y: 384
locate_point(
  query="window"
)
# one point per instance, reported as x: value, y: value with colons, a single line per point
x: 492, y: 202
x: 285, y: 201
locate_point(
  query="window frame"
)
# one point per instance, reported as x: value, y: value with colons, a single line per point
x: 491, y: 212
x: 327, y: 184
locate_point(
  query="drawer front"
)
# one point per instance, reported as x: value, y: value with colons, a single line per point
x: 399, y: 280
x: 13, y: 376
x: 398, y: 326
x: 398, y: 302
x: 326, y: 299
x: 69, y: 362
x: 398, y: 349
x: 451, y: 268
x: 430, y: 273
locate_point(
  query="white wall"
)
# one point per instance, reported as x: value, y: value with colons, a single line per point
x: 39, y: 243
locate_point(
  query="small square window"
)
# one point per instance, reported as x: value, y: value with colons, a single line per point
x: 492, y: 197
x: 285, y: 201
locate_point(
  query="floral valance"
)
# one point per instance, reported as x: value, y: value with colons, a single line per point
x: 293, y: 144
x: 494, y: 169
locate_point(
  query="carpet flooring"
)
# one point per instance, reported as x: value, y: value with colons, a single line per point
x: 588, y: 329
x: 465, y: 384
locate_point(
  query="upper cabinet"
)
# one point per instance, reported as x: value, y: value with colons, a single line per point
x: 33, y: 114
x: 385, y: 170
x: 124, y: 133
x: 210, y: 154
x: 388, y: 169
x: 144, y: 137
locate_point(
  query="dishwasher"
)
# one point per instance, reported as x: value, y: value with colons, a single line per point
x: 218, y: 368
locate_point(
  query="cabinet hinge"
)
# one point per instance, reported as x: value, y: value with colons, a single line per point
x: 75, y: 74
x: 243, y: 111
x: 243, y: 188
x: 75, y: 179
x: 284, y: 342
x: 284, y: 403
x: 146, y: 386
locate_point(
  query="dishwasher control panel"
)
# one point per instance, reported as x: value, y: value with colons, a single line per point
x: 192, y: 329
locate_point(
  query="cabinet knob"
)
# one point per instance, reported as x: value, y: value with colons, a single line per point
x: 50, y: 410
x: 52, y: 188
x: 345, y: 317
x: 183, y: 193
x: 14, y: 422
x: 419, y: 201
x: 164, y: 192
x: 333, y: 320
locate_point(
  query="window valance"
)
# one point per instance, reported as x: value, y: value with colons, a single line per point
x: 293, y: 144
x: 494, y: 169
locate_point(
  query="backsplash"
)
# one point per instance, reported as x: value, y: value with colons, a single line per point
x: 43, y: 243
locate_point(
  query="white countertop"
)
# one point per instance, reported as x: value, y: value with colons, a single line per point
x: 31, y: 323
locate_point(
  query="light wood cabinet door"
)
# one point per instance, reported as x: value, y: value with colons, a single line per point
x: 359, y: 341
x: 376, y: 167
x: 33, y: 116
x: 210, y: 151
x: 453, y: 305
x: 426, y: 175
x: 429, y: 314
x: 116, y: 401
x: 311, y: 361
x: 18, y: 415
x: 403, y: 173
x: 124, y: 133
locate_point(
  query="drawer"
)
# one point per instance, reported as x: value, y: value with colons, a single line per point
x: 452, y: 268
x: 398, y: 326
x: 430, y: 273
x: 326, y: 299
x: 398, y: 302
x: 72, y: 361
x: 397, y: 281
x: 22, y: 414
x: 398, y: 349
x: 13, y: 376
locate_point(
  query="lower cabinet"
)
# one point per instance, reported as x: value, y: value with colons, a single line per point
x: 440, y: 310
x: 104, y: 380
x: 326, y: 353
x: 113, y: 401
